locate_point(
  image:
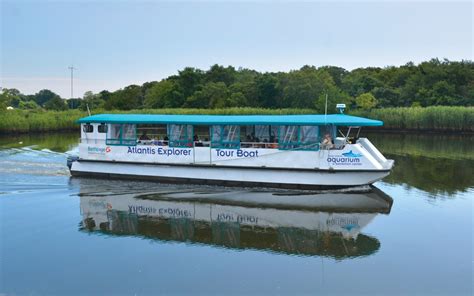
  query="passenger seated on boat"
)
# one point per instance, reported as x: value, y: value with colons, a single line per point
x: 274, y: 143
x: 247, y: 142
x: 197, y: 142
x: 327, y: 142
x: 144, y: 136
x: 165, y: 141
x: 256, y: 142
x: 154, y: 141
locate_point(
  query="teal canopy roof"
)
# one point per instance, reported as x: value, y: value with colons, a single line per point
x: 336, y: 119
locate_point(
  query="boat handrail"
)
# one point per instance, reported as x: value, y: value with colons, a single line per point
x: 261, y: 145
x: 92, y: 141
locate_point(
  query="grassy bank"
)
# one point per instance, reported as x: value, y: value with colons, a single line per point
x: 440, y: 119
x: 24, y: 121
x: 437, y: 118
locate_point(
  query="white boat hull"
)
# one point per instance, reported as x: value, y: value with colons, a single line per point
x: 227, y: 175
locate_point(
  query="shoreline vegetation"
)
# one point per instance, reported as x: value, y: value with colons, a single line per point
x: 439, y: 119
x: 432, y: 96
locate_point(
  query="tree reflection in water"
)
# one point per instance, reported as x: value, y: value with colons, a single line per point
x: 437, y: 164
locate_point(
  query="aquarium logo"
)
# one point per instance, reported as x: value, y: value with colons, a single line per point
x: 351, y: 154
x: 348, y: 158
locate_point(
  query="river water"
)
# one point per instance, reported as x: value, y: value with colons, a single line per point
x: 410, y: 234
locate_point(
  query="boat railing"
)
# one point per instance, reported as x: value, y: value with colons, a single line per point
x: 264, y: 145
x: 336, y: 146
x: 208, y: 144
x: 259, y: 145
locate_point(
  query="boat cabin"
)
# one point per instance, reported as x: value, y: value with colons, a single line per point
x: 282, y: 132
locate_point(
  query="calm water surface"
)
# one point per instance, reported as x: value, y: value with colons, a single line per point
x: 411, y: 234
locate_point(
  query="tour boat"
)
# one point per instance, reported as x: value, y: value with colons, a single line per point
x: 288, y: 151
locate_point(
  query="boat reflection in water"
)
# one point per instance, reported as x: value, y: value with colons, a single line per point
x: 299, y: 223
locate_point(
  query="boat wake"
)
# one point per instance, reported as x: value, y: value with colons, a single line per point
x: 29, y: 161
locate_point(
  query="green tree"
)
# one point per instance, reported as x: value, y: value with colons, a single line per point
x: 337, y: 74
x: 361, y: 81
x: 9, y: 97
x: 429, y: 83
x: 73, y: 103
x: 125, y: 99
x: 105, y: 95
x: 302, y: 88
x: 189, y: 80
x: 366, y: 101
x: 236, y: 99
x: 28, y: 105
x: 387, y: 96
x: 245, y: 83
x: 4, y: 101
x: 307, y: 88
x: 268, y: 91
x: 219, y: 73
x: 164, y: 94
x: 91, y: 101
x: 44, y: 96
x: 56, y: 103
x: 212, y: 95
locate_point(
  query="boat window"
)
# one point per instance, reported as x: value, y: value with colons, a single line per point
x: 299, y: 137
x: 225, y: 136
x: 201, y: 136
x: 349, y: 134
x: 113, y: 134
x: 309, y: 139
x: 259, y: 136
x: 327, y: 137
x: 327, y: 129
x: 102, y: 128
x: 129, y: 134
x: 216, y: 135
x: 262, y: 132
x: 180, y: 135
x: 121, y: 134
x: 288, y: 137
x: 88, y: 128
x: 152, y: 134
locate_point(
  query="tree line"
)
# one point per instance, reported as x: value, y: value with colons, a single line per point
x: 434, y: 82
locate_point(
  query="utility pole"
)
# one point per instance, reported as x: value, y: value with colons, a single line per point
x: 326, y: 109
x: 72, y: 80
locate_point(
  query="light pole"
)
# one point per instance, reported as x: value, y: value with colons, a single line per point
x: 72, y: 79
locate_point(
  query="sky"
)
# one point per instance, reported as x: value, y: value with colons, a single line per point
x: 113, y: 44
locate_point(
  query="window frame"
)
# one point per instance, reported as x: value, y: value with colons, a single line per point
x: 84, y: 128
x: 121, y: 140
x: 297, y: 145
x: 181, y: 143
x: 106, y: 128
x: 222, y: 144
